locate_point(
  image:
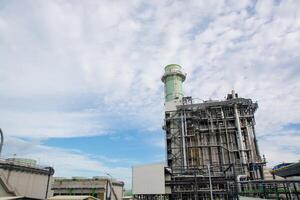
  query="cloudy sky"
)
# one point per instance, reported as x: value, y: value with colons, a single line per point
x: 80, y: 85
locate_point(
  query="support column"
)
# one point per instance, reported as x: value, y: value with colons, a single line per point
x: 183, y: 141
x: 240, y: 136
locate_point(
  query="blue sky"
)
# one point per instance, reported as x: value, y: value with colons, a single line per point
x: 80, y: 85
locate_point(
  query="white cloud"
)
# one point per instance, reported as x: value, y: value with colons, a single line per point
x: 281, y: 147
x: 52, y: 124
x: 112, y: 53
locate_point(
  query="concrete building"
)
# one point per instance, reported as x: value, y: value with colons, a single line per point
x: 99, y: 187
x: 23, y: 178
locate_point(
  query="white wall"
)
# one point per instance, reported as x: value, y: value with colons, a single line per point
x: 148, y: 179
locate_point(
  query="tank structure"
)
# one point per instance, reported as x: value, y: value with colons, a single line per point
x: 211, y: 140
x: 173, y: 79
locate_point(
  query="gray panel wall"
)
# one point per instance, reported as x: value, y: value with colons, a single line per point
x: 148, y: 179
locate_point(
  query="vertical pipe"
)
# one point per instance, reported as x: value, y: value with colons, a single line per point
x: 202, y: 149
x: 227, y: 138
x: 255, y: 141
x: 261, y: 173
x: 250, y: 139
x: 165, y: 140
x: 210, y: 139
x: 220, y: 149
x: 196, y: 187
x: 183, y: 141
x: 210, y: 183
x: 185, y: 131
x: 199, y: 149
x: 240, y: 136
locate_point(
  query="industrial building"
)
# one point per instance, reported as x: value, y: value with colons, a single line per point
x: 213, y: 139
x: 24, y: 179
x: 99, y: 187
x: 220, y: 134
x: 211, y: 147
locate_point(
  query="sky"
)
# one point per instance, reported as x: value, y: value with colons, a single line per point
x: 80, y: 86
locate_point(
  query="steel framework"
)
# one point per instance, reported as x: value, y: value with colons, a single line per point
x: 218, y: 134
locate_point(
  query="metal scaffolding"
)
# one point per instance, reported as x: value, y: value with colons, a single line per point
x: 219, y: 134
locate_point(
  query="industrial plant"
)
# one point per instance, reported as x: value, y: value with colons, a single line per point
x: 211, y: 150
